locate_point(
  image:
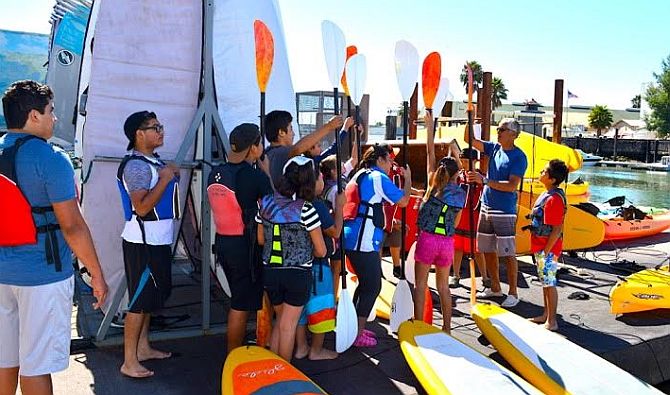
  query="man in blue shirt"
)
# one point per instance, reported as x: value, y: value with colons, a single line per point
x: 497, y: 221
x: 36, y: 279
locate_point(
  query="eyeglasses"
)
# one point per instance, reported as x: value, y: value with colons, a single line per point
x: 159, y: 128
x: 504, y: 129
x: 299, y: 160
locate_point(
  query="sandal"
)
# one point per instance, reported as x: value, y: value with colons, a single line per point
x: 369, y: 333
x: 365, y: 341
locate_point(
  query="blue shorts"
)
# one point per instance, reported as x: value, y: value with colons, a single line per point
x: 319, y: 312
x: 546, y: 269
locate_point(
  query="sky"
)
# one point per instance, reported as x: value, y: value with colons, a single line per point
x: 604, y: 50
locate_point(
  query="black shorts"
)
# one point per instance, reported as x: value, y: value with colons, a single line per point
x: 288, y: 285
x: 148, y: 274
x: 246, y: 284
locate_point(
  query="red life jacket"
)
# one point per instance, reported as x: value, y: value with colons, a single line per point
x: 226, y: 209
x: 18, y: 226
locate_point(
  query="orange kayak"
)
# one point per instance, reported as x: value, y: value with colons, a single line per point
x: 620, y: 229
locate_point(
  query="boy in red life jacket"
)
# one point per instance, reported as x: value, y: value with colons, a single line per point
x: 463, y: 234
x: 546, y: 240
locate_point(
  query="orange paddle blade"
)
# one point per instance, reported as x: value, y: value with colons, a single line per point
x: 264, y: 322
x: 428, y: 308
x: 351, y: 51
x: 430, y: 77
x: 265, y: 53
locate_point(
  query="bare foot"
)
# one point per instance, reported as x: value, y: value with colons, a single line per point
x: 550, y: 327
x: 152, y: 353
x: 136, y: 372
x: 301, y: 352
x: 322, y: 355
x: 538, y: 320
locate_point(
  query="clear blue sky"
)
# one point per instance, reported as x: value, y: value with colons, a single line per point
x: 604, y: 50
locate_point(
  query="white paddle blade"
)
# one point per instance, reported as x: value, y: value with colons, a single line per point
x: 441, y: 97
x: 347, y: 323
x: 356, y: 69
x: 409, y: 264
x: 406, y: 68
x: 335, y: 50
x: 402, y: 305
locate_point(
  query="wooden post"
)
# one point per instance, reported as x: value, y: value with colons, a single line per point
x: 558, y: 111
x: 413, y: 112
x: 485, y: 105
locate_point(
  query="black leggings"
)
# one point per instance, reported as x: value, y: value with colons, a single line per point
x: 368, y: 267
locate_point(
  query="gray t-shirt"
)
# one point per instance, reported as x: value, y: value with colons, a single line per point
x: 277, y: 156
x: 137, y: 175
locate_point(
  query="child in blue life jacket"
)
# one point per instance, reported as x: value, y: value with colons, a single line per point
x: 438, y: 216
x: 546, y: 240
x: 289, y: 231
x: 319, y: 313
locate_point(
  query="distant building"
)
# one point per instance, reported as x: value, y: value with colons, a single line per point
x: 630, y: 129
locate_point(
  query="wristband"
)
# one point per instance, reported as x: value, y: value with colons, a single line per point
x: 485, y: 181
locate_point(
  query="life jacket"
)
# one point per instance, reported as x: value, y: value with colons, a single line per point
x: 287, y: 242
x: 18, y: 225
x: 390, y: 210
x: 437, y: 217
x: 226, y: 210
x: 537, y: 225
x: 327, y: 189
x: 168, y: 205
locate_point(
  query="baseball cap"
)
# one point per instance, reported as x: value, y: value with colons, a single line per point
x: 244, y: 136
x: 134, y: 122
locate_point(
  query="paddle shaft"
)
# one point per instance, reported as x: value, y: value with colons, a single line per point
x: 338, y: 165
x: 471, y: 193
x: 262, y: 118
x: 403, y: 218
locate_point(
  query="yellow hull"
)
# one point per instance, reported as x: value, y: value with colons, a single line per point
x: 645, y: 290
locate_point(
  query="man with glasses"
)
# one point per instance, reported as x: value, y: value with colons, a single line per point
x: 497, y: 221
x: 150, y: 197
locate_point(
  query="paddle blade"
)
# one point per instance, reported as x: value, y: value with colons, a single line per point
x: 347, y: 323
x: 406, y: 68
x: 356, y: 74
x: 428, y: 308
x: 264, y: 322
x: 351, y: 51
x: 409, y: 264
x: 441, y: 96
x: 265, y: 53
x: 334, y: 49
x: 402, y: 305
x: 430, y: 78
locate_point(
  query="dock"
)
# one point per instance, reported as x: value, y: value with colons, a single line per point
x: 638, y: 343
x: 633, y: 165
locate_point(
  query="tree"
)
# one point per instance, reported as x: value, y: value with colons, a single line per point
x: 600, y: 118
x: 658, y: 97
x: 498, y: 93
x: 477, y: 74
x: 635, y: 101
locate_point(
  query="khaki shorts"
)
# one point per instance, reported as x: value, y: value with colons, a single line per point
x: 35, y: 327
x: 496, y: 232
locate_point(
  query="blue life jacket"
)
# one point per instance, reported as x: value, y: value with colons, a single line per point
x: 537, y: 225
x: 168, y: 205
x: 287, y: 242
x: 435, y: 216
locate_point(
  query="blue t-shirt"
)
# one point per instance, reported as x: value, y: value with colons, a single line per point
x: 502, y: 165
x: 376, y: 187
x: 326, y: 222
x: 45, y: 176
x: 453, y: 195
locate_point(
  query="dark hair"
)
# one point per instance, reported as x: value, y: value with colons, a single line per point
x: 22, y: 97
x: 298, y: 180
x: 558, y: 171
x: 274, y: 122
x: 372, y: 154
x: 446, y: 169
x: 327, y: 165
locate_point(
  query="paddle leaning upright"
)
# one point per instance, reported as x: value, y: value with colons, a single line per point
x: 471, y: 256
x: 407, y: 70
x: 335, y: 53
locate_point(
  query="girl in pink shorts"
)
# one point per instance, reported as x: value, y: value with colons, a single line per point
x: 438, y: 216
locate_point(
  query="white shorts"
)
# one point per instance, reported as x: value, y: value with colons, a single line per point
x: 35, y: 327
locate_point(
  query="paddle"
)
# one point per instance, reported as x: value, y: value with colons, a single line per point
x: 265, y: 52
x: 440, y: 100
x: 351, y: 51
x: 471, y: 203
x: 335, y: 52
x: 356, y: 69
x: 407, y: 70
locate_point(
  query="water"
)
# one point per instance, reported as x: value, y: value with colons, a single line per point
x: 642, y: 188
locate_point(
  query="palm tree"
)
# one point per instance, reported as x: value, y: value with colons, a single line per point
x: 600, y: 118
x: 477, y: 74
x: 635, y: 101
x: 498, y: 93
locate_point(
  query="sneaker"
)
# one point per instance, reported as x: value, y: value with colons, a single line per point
x: 486, y: 283
x: 397, y: 271
x: 369, y: 333
x: 510, y: 301
x: 365, y: 341
x: 454, y: 281
x: 487, y: 293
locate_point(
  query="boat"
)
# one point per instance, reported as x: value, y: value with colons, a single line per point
x: 619, y: 228
x: 663, y: 165
x: 642, y: 291
x: 589, y: 159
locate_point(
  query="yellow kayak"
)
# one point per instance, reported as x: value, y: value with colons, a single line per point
x: 645, y: 290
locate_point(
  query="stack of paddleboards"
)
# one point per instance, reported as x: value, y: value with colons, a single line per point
x: 550, y: 362
x: 642, y: 291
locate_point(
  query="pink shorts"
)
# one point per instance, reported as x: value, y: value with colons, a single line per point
x: 432, y: 249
